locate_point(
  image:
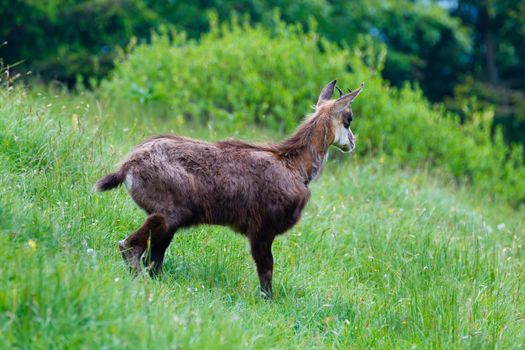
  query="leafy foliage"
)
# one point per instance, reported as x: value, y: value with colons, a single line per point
x: 238, y: 73
x: 64, y: 39
x: 496, y: 70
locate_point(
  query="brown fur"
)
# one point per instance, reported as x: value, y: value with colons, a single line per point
x: 257, y: 190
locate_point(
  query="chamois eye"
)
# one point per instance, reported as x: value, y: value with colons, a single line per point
x: 347, y: 120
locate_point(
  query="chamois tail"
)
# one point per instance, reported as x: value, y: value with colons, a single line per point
x: 110, y: 181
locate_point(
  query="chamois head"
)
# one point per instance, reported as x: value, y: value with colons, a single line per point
x: 340, y: 112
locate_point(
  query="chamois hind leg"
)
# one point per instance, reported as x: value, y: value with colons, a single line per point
x: 261, y: 249
x: 136, y: 244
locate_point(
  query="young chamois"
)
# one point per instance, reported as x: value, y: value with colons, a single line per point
x: 259, y: 190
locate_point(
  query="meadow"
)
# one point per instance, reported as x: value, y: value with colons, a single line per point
x: 415, y: 241
x: 384, y: 257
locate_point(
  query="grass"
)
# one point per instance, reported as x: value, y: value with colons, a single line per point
x: 384, y: 257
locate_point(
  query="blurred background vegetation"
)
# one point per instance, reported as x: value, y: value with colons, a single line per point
x: 455, y: 50
x: 449, y: 73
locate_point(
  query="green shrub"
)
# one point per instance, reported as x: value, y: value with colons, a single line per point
x: 239, y: 74
x: 244, y: 76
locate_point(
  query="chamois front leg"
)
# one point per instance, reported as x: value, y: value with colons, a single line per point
x: 261, y: 249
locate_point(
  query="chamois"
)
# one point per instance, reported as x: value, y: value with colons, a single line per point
x: 259, y: 190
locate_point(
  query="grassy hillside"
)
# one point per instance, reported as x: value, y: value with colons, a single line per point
x: 383, y: 257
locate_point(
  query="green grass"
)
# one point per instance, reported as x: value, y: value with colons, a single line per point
x: 384, y: 257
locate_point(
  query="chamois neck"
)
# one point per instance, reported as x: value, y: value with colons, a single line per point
x: 307, y: 148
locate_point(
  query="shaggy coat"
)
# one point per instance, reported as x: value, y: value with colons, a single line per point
x: 257, y: 190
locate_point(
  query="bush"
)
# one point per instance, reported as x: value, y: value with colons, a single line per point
x: 246, y: 75
x: 238, y: 73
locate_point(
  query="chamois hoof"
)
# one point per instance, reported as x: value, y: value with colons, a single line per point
x: 266, y: 294
x: 131, y: 255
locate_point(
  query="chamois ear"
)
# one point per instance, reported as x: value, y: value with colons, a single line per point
x: 327, y: 92
x: 342, y: 102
